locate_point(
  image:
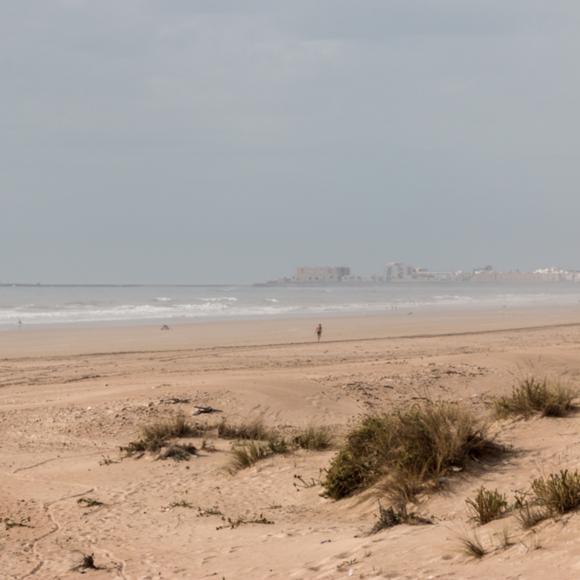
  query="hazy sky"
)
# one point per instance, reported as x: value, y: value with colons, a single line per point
x: 220, y: 141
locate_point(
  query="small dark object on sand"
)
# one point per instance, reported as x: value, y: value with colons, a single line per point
x: 165, y: 327
x: 87, y: 563
x: 201, y: 409
x: 175, y: 400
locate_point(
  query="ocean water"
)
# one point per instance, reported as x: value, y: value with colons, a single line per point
x: 41, y: 305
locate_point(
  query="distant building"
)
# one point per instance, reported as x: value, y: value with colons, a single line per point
x: 401, y: 272
x: 317, y: 274
x: 398, y: 271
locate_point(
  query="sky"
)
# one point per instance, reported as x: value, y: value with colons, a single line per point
x: 216, y: 141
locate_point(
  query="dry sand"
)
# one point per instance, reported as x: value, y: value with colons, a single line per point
x: 70, y: 397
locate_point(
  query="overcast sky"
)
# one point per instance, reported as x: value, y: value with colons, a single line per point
x: 230, y: 141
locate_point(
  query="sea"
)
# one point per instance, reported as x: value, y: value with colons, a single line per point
x: 90, y: 305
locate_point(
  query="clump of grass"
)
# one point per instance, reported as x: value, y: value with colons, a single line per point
x: 558, y: 493
x: 386, y: 518
x: 421, y: 443
x: 154, y: 437
x: 472, y: 546
x: 254, y: 430
x: 314, y: 439
x: 532, y: 396
x: 527, y: 512
x: 176, y: 427
x: 246, y: 454
x: 529, y: 516
x: 488, y: 505
x: 178, y: 452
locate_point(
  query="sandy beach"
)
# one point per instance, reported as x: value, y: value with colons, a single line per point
x: 70, y: 397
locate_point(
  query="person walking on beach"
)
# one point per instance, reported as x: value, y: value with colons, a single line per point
x: 318, y: 331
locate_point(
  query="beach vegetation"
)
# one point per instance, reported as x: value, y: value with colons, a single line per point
x: 532, y: 396
x: 487, y: 505
x: 558, y: 493
x: 156, y: 436
x: 420, y: 443
x: 314, y: 438
x: 248, y: 453
x: 178, y: 451
x: 250, y: 430
x: 472, y: 545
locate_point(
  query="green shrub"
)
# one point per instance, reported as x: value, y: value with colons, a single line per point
x: 422, y: 442
x: 532, y: 396
x: 487, y: 505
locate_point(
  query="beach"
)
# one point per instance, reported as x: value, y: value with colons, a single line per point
x: 71, y: 396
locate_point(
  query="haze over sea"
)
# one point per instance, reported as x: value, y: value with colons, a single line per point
x: 42, y: 305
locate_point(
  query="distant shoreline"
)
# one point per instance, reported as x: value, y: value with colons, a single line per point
x: 39, y: 285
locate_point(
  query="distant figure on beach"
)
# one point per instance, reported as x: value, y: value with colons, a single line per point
x: 318, y: 331
x: 19, y: 323
x: 165, y: 327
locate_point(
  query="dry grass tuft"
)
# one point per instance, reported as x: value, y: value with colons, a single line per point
x: 487, y: 506
x: 178, y: 452
x: 155, y: 436
x: 532, y: 396
x: 254, y: 430
x: 387, y: 518
x: 529, y: 515
x: 245, y: 455
x: 472, y: 546
x: 314, y: 439
x: 558, y: 493
x: 419, y: 444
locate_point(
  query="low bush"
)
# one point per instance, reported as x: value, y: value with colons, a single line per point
x: 421, y: 443
x: 532, y: 396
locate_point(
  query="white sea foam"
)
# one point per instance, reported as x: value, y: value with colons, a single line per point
x: 64, y: 306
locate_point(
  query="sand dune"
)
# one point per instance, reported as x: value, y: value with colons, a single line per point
x: 70, y: 398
